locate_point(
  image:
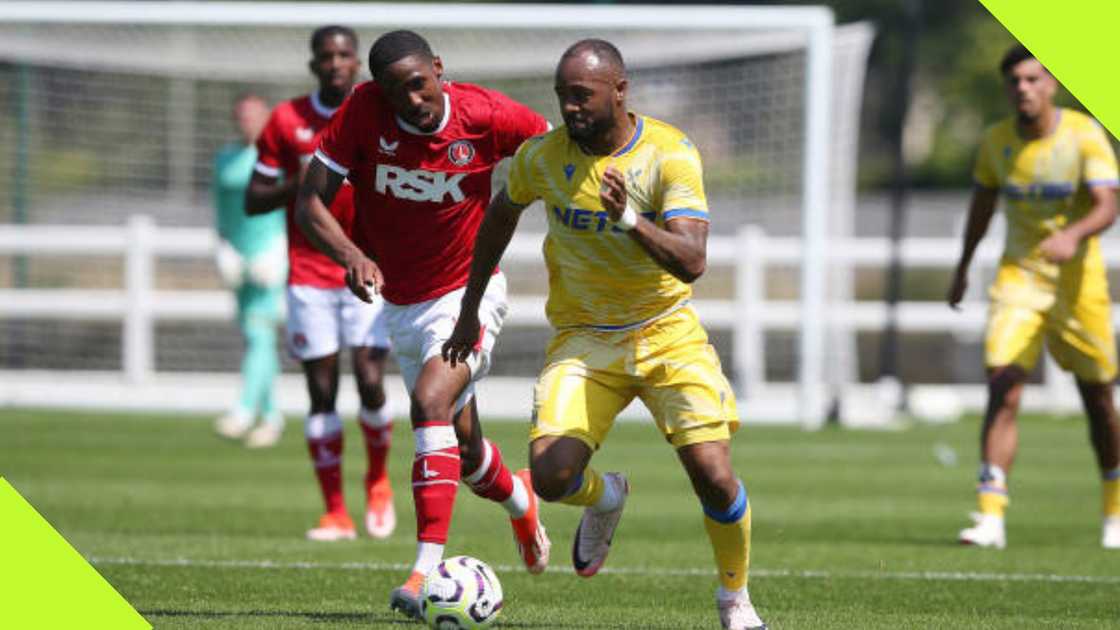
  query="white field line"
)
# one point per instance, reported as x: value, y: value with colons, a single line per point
x: 931, y: 576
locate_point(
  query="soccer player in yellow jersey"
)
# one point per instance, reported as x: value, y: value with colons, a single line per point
x: 1056, y: 171
x: 627, y: 233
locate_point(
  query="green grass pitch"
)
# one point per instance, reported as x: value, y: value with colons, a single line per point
x: 851, y: 529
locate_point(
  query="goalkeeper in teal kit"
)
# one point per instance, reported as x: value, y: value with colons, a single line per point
x: 253, y: 261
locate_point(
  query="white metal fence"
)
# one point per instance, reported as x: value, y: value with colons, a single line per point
x: 749, y: 313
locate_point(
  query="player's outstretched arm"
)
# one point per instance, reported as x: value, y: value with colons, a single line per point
x: 320, y: 185
x: 493, y: 237
x: 980, y: 211
x: 681, y: 248
x: 1062, y: 245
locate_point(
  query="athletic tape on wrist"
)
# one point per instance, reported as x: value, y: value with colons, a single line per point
x: 629, y: 219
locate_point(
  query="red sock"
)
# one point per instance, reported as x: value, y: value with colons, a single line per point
x: 491, y: 480
x: 435, y: 480
x: 326, y: 456
x: 378, y: 439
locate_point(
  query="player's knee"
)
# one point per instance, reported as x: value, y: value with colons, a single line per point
x: 430, y: 404
x: 1098, y: 402
x: 321, y: 392
x: 550, y: 490
x: 372, y: 395
x: 1005, y: 386
x: 259, y: 334
x: 717, y: 486
x: 552, y: 484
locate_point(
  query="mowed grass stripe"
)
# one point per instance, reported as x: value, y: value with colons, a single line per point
x: 396, y: 567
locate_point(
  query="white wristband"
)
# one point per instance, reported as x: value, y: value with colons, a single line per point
x: 629, y: 219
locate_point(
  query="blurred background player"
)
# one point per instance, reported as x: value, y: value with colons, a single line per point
x: 322, y: 313
x: 627, y: 234
x: 420, y: 153
x: 252, y: 260
x: 1058, y: 176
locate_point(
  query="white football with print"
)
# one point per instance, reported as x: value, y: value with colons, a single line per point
x: 462, y: 593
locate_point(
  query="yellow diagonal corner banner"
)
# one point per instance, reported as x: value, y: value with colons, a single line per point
x: 45, y: 583
x: 1076, y: 41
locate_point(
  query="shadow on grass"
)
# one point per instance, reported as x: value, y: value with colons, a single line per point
x: 328, y: 617
x: 324, y: 617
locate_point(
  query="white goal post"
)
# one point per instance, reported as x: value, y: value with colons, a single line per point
x: 650, y: 35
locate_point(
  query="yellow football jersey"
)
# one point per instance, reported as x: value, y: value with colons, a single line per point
x: 1045, y: 184
x: 598, y: 275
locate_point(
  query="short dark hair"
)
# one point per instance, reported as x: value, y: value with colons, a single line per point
x: 602, y: 49
x: 1013, y: 57
x: 394, y: 46
x: 323, y: 33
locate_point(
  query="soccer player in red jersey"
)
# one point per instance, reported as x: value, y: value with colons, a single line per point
x: 419, y: 153
x: 322, y: 312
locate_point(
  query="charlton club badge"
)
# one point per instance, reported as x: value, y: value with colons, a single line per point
x: 461, y: 152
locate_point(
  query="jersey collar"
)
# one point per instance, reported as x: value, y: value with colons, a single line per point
x: 320, y: 108
x: 633, y: 139
x: 403, y: 124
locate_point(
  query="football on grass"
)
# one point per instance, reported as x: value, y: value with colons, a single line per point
x: 462, y: 593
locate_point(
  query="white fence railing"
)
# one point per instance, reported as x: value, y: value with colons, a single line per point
x: 748, y: 314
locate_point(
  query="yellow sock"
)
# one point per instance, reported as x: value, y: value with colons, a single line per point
x: 731, y: 541
x: 992, y: 499
x: 589, y: 492
x: 991, y: 490
x: 1110, y: 497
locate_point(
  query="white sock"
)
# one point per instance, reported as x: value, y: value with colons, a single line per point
x: 428, y: 557
x: 374, y: 418
x: 723, y: 594
x: 991, y: 472
x: 518, y: 502
x: 611, y: 499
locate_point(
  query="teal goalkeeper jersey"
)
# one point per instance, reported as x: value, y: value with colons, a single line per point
x: 233, y: 166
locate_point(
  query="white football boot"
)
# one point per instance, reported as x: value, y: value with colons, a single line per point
x: 736, y: 611
x: 1110, y: 533
x: 593, y: 537
x: 234, y: 425
x: 264, y: 435
x: 987, y: 531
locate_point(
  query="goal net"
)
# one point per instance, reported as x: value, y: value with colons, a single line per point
x: 116, y: 109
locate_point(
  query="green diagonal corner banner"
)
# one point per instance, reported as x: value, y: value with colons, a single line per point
x: 1076, y: 41
x: 45, y: 583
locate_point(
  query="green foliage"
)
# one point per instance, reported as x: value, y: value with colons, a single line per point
x: 200, y: 533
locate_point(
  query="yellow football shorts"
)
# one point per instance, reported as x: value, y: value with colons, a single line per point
x: 591, y: 375
x: 1074, y: 317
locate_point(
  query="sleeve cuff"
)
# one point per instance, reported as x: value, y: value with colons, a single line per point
x: 685, y: 213
x: 265, y: 169
x: 1107, y: 183
x: 331, y: 164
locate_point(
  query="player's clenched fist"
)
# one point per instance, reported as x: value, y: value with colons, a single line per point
x: 363, y: 277
x: 464, y: 338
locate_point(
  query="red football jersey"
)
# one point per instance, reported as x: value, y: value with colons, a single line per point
x: 419, y: 196
x: 287, y: 141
